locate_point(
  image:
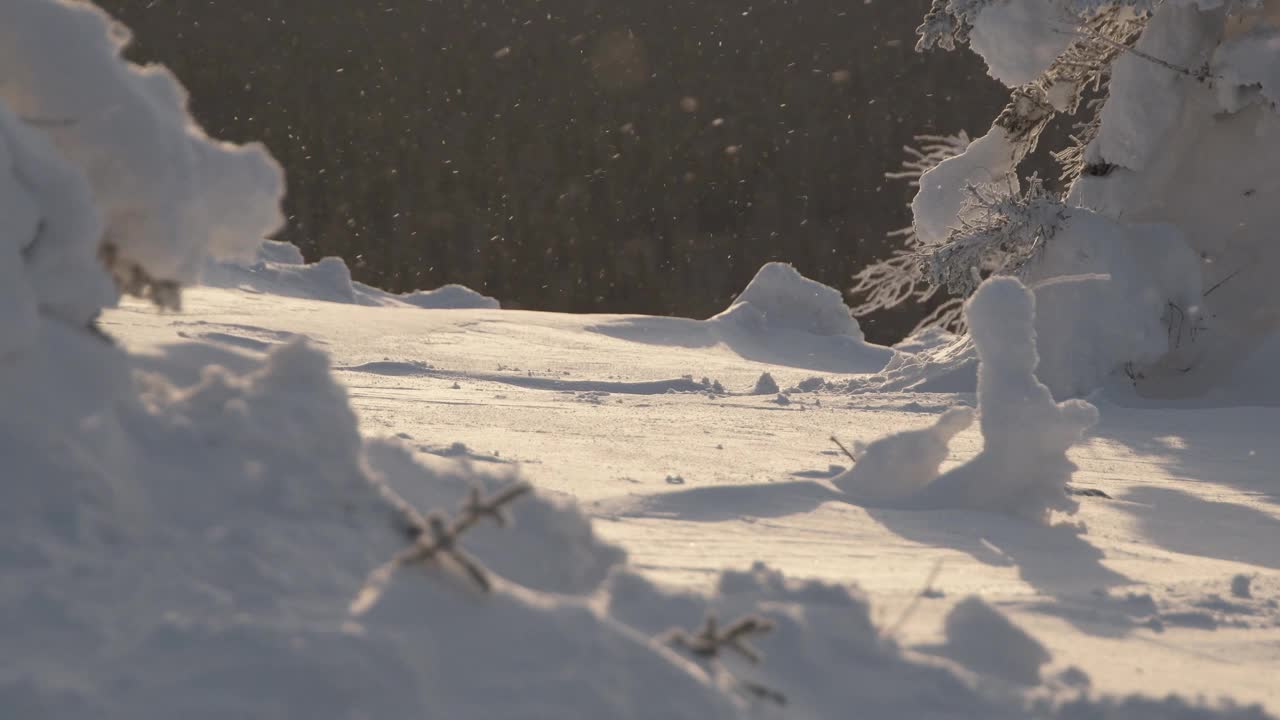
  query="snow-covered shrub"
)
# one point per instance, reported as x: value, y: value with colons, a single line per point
x: 1177, y: 130
x: 165, y: 194
x: 1023, y: 467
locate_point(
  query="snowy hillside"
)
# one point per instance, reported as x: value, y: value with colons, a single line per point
x: 284, y: 494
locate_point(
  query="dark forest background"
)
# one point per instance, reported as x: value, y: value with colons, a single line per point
x: 577, y: 155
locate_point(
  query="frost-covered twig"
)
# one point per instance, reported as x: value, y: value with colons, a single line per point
x: 709, y: 640
x: 901, y: 278
x: 132, y: 279
x: 852, y: 458
x: 998, y: 234
x: 434, y: 536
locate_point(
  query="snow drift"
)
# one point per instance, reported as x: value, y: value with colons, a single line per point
x: 279, y: 269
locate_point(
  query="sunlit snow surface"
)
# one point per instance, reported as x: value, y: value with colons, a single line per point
x: 614, y: 412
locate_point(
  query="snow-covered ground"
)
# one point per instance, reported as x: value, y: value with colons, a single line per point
x: 289, y: 495
x: 651, y: 425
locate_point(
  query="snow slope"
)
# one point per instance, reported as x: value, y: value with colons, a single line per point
x: 1136, y: 597
x: 271, y: 504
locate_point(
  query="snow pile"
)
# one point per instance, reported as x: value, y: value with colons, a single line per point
x: 552, y: 548
x: 782, y: 314
x: 903, y: 463
x: 174, y: 550
x: 1023, y: 467
x: 779, y: 297
x: 781, y: 318
x: 824, y: 654
x: 279, y: 269
x: 167, y: 195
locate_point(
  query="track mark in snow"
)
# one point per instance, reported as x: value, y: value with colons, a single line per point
x: 643, y: 387
x: 245, y: 337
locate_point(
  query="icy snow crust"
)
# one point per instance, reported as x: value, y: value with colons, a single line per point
x: 190, y: 513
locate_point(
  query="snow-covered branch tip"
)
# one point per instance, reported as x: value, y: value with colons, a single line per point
x: 434, y: 537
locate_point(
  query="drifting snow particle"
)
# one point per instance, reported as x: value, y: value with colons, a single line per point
x: 689, y: 104
x: 502, y: 53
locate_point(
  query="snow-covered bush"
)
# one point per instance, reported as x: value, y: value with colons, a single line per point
x: 1168, y: 193
x: 165, y: 195
x: 1023, y: 467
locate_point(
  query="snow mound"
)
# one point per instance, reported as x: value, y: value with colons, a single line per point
x: 449, y: 297
x: 196, y: 552
x: 166, y: 194
x: 824, y: 654
x: 904, y: 462
x: 279, y: 269
x: 551, y: 547
x: 779, y: 297
x: 1023, y: 467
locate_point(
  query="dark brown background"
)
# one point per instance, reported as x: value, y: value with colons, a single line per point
x: 577, y: 155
